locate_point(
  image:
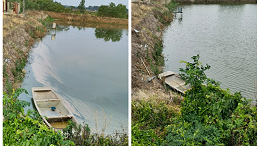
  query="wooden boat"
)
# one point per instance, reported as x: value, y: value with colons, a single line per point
x: 50, y: 106
x: 174, y: 81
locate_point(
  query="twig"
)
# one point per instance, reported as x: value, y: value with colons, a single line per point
x: 146, y: 69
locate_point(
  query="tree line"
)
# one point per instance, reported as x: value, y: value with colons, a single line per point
x: 111, y: 10
x: 119, y: 11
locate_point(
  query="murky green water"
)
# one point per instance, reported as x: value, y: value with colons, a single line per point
x: 88, y: 68
x: 225, y: 36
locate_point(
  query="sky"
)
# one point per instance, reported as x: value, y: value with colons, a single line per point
x: 92, y: 3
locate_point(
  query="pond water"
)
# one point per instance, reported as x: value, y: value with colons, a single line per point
x: 225, y: 36
x: 88, y: 68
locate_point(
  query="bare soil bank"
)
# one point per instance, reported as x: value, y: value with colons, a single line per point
x: 19, y: 33
x: 216, y: 1
x: 148, y: 21
x: 87, y: 18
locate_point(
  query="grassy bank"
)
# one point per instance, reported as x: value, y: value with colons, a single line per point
x: 208, y: 115
x: 148, y: 22
x: 19, y: 33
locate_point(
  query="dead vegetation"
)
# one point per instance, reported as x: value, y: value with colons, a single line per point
x: 19, y: 33
x: 87, y: 18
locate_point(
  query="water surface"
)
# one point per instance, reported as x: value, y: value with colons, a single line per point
x: 225, y: 36
x: 87, y: 67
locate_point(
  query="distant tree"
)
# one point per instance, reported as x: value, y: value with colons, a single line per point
x: 81, y: 7
x: 121, y: 11
x: 72, y: 7
x: 112, y: 10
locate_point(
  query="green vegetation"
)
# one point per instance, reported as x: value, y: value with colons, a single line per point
x: 148, y: 121
x: 158, y: 59
x: 17, y: 72
x: 112, y: 10
x: 81, y: 7
x: 8, y: 85
x: 46, y: 21
x: 171, y: 5
x: 29, y: 129
x: 209, y: 115
x: 21, y: 129
x: 46, y: 5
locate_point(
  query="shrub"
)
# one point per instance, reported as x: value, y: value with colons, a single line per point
x: 148, y: 121
x: 210, y: 115
x: 112, y: 10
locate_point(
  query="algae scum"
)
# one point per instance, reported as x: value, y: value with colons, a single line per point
x: 88, y: 68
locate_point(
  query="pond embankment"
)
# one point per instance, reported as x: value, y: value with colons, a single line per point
x: 19, y: 33
x: 87, y: 18
x: 148, y: 22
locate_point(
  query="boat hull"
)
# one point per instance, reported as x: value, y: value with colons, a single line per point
x: 44, y: 98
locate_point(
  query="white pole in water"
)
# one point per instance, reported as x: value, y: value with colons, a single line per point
x: 54, y: 26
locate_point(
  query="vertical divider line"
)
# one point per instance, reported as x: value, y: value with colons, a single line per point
x: 129, y: 72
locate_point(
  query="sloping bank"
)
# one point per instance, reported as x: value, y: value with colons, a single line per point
x: 148, y: 22
x: 87, y: 18
x: 19, y: 34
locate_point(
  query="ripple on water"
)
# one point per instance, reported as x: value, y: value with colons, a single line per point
x: 225, y: 36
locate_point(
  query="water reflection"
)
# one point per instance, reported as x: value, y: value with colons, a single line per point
x: 114, y: 35
x: 108, y: 34
x: 89, y: 74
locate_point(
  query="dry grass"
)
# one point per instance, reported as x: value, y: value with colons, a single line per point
x: 87, y: 18
x: 171, y: 99
x: 104, y: 125
x: 18, y: 35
